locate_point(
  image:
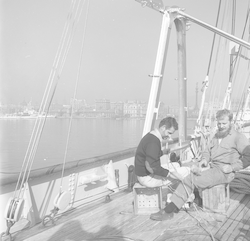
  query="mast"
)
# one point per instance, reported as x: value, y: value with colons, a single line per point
x: 153, y: 103
x: 179, y: 17
x: 180, y: 25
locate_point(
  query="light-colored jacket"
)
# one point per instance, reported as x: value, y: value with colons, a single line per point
x: 227, y: 151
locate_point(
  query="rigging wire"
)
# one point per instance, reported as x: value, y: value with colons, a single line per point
x: 218, y: 61
x: 247, y: 78
x: 242, y: 36
x: 212, y: 48
x: 75, y: 93
x: 208, y: 69
x: 222, y: 52
x: 68, y: 40
x: 234, y: 66
x: 37, y: 130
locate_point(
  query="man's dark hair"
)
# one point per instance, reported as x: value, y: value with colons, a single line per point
x: 169, y: 122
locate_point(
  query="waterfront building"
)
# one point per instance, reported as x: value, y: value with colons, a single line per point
x: 135, y: 109
x: 118, y: 107
x: 102, y: 104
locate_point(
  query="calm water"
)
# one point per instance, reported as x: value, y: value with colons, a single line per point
x: 88, y: 138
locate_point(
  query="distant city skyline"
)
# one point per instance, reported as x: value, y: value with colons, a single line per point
x: 66, y: 102
x: 120, y: 46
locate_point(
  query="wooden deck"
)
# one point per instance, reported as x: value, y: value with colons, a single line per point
x: 115, y: 220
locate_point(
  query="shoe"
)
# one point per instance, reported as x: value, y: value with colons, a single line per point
x: 171, y: 207
x: 161, y: 215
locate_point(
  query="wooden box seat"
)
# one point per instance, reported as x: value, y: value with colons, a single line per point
x: 216, y: 199
x: 147, y: 200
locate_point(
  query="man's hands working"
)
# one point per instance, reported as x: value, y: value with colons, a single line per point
x: 166, y: 151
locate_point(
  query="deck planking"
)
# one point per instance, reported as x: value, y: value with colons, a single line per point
x: 235, y: 221
x: 115, y: 220
x: 224, y: 220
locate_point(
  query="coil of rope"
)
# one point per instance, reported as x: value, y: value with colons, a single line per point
x: 241, y: 182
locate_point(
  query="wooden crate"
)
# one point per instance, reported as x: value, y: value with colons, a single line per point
x: 216, y: 199
x: 147, y: 200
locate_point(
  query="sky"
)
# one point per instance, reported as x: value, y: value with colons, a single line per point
x: 119, y: 51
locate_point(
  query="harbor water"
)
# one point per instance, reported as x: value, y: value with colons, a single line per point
x: 87, y: 138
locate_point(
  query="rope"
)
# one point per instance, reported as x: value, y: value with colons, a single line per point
x: 206, y: 82
x: 217, y: 59
x: 75, y: 91
x: 39, y: 123
x: 236, y: 65
x: 218, y: 65
x: 211, y: 53
x: 242, y: 36
x: 189, y: 194
x: 241, y: 182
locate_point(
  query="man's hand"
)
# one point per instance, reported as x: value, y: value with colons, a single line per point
x: 166, y: 151
x: 203, y: 163
x: 227, y: 169
x: 196, y: 170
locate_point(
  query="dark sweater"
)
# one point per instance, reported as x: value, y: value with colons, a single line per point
x: 149, y: 149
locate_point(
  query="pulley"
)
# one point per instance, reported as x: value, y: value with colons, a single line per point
x: 62, y: 200
x: 14, y: 209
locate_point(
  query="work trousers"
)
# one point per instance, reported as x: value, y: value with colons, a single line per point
x: 207, y: 179
x: 158, y: 181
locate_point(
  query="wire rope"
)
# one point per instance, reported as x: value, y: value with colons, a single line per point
x: 208, y: 69
x: 35, y: 132
x: 68, y: 41
x: 241, y: 92
x: 218, y: 59
x: 212, y: 48
x: 234, y: 70
x: 240, y: 47
x: 75, y: 93
x: 47, y: 99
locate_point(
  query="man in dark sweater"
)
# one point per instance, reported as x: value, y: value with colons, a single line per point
x: 148, y: 167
